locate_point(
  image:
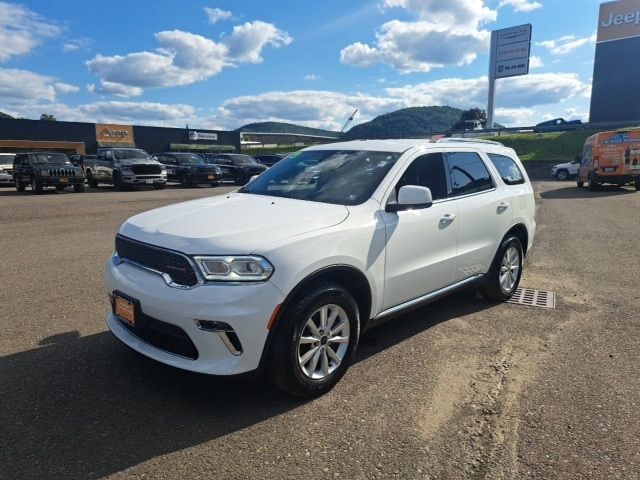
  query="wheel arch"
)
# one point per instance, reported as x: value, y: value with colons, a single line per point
x: 521, y: 233
x: 348, y: 276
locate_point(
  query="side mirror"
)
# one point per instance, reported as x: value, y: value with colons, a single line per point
x: 411, y: 197
x: 253, y: 177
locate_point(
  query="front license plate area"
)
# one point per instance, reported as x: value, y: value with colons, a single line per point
x: 64, y: 180
x: 149, y: 182
x: 124, y: 309
x: 211, y: 177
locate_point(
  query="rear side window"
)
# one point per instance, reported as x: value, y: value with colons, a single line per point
x: 507, y: 168
x: 468, y: 173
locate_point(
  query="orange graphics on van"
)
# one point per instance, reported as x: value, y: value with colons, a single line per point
x: 611, y: 157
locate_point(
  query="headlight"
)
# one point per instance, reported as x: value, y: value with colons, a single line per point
x: 44, y: 173
x: 126, y: 168
x: 218, y: 171
x: 235, y: 269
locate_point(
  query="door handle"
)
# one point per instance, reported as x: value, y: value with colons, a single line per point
x: 503, y: 205
x: 448, y: 218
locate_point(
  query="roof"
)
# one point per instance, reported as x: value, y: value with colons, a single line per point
x: 402, y: 145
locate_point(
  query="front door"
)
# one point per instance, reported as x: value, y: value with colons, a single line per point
x: 421, y: 244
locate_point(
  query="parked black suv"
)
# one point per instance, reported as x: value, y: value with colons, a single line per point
x: 235, y: 167
x: 46, y: 169
x: 189, y: 169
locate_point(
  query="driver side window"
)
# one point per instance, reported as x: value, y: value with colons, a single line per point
x: 426, y: 171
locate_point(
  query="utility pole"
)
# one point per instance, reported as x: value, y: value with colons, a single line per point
x: 492, y: 80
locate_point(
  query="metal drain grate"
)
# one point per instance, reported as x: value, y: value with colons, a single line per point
x: 534, y: 298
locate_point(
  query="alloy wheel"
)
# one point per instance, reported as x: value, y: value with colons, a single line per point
x: 509, y: 270
x: 323, y: 342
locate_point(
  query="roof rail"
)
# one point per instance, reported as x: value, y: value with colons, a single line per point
x: 469, y: 140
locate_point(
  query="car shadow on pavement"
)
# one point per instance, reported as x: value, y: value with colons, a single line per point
x: 575, y: 192
x: 87, y: 407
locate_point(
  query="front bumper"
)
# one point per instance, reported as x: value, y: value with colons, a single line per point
x: 204, y: 177
x: 144, y: 179
x: 246, y: 308
x: 57, y: 181
x: 6, y: 180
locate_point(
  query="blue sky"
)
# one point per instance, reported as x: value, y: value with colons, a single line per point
x: 221, y: 64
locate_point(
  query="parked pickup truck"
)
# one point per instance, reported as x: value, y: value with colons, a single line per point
x: 125, y: 167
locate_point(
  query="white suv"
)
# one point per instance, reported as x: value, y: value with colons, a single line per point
x: 284, y: 274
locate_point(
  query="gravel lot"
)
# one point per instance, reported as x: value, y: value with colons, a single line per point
x: 460, y: 389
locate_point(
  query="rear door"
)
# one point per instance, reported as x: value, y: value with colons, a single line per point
x: 484, y: 210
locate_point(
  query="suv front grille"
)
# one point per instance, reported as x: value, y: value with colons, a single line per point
x: 61, y: 172
x: 159, y: 259
x: 146, y: 169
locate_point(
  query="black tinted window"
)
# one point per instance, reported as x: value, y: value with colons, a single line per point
x: 468, y: 173
x: 508, y: 169
x: 426, y: 171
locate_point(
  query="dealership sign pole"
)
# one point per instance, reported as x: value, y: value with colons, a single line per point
x: 510, y: 50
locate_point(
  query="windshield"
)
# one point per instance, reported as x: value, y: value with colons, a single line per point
x: 43, y: 158
x: 188, y: 158
x: 126, y: 154
x: 6, y: 159
x: 242, y: 159
x: 329, y: 176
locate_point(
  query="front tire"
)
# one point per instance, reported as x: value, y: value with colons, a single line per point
x: 593, y: 182
x: 118, y: 184
x: 79, y: 187
x: 239, y: 180
x: 315, y: 340
x: 504, y: 277
x: 580, y: 183
x: 36, y: 186
x: 637, y: 185
x: 90, y: 180
x: 159, y: 186
x: 562, y: 175
x: 20, y: 187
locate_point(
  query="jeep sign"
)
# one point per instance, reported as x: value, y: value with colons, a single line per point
x: 619, y: 20
x: 195, y: 136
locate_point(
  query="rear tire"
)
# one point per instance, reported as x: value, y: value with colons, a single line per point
x: 506, y: 270
x: 593, y: 182
x: 79, y: 187
x: 303, y: 360
x: 580, y: 183
x: 637, y: 185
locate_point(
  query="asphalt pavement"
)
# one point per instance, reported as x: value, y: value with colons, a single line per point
x: 460, y: 389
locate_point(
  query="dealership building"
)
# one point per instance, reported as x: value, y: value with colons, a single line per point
x: 616, y: 73
x: 17, y: 135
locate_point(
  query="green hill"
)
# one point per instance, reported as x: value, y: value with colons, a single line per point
x: 4, y: 115
x: 280, y: 127
x: 551, y: 146
x: 411, y: 122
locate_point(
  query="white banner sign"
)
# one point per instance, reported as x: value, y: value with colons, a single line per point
x: 511, y: 48
x: 193, y: 135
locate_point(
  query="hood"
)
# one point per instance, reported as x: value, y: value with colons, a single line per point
x: 561, y: 165
x: 237, y: 223
x: 138, y: 161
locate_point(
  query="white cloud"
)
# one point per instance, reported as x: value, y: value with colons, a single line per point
x: 444, y: 33
x: 215, y: 15
x: 61, y: 87
x: 517, y: 92
x: 22, y: 86
x: 567, y: 44
x: 21, y: 30
x: 535, y: 62
x: 183, y: 58
x: 114, y: 88
x: 521, y: 5
x: 311, y: 77
x: 77, y: 44
x: 313, y: 108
